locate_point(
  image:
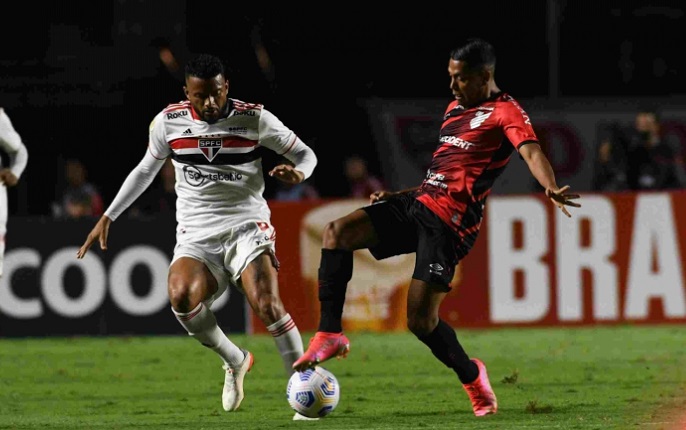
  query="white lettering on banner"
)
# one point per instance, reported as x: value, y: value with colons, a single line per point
x: 572, y: 259
x: 10, y: 304
x: 535, y: 302
x: 120, y: 278
x: 52, y: 282
x: 95, y: 285
x: 654, y: 266
x: 654, y: 239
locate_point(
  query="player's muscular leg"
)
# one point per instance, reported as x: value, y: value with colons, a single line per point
x: 260, y: 284
x: 423, y: 303
x: 189, y: 283
x: 339, y: 239
x: 351, y: 232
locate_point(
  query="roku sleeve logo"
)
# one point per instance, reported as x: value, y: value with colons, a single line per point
x: 174, y: 115
x: 243, y: 113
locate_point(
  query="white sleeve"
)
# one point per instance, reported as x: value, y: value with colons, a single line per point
x: 11, y: 142
x: 273, y: 134
x: 302, y: 156
x: 157, y: 139
x: 138, y: 181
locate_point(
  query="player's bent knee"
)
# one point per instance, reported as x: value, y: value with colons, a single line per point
x: 420, y: 326
x: 338, y: 233
x: 183, y: 297
x: 331, y: 234
x: 179, y: 299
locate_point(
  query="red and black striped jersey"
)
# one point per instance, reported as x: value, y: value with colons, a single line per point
x: 474, y: 148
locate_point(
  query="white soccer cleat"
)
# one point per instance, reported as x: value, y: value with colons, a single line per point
x: 298, y: 417
x: 232, y: 396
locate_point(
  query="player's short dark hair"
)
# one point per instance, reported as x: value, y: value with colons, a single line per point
x: 205, y: 66
x: 476, y: 52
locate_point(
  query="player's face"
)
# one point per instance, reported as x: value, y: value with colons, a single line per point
x: 208, y: 96
x: 470, y: 87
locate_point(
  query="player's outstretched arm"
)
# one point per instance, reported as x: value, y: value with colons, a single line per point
x: 543, y: 172
x: 100, y: 233
x: 135, y: 184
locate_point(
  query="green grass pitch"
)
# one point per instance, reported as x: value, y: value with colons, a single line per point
x: 576, y: 378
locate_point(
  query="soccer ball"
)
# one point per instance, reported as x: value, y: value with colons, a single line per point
x: 313, y: 392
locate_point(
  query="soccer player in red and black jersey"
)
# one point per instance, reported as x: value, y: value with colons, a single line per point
x: 439, y: 220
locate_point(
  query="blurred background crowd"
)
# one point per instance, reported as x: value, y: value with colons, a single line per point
x: 83, y: 88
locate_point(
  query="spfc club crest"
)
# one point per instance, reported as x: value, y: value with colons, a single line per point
x: 210, y: 147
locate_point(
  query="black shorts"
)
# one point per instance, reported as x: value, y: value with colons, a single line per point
x: 404, y: 225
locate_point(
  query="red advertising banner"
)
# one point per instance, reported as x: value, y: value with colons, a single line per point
x: 617, y: 260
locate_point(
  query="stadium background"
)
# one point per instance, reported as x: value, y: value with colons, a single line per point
x: 85, y: 80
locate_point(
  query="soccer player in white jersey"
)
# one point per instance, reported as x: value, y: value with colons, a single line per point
x: 11, y: 143
x: 224, y: 234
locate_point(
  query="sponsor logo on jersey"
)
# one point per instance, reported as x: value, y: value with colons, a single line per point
x: 174, y: 115
x: 236, y: 130
x: 210, y: 147
x: 244, y: 112
x: 196, y: 177
x: 188, y: 131
x: 456, y: 141
x: 435, y: 179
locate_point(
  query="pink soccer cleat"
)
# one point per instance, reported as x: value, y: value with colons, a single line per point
x: 323, y: 346
x: 480, y: 392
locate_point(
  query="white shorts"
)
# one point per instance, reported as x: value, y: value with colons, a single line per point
x: 227, y: 253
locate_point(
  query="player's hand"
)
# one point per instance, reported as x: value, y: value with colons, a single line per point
x: 8, y: 178
x: 100, y: 232
x: 561, y: 199
x: 379, y: 196
x: 287, y: 173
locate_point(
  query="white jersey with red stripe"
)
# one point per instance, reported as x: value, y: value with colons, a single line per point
x: 219, y: 179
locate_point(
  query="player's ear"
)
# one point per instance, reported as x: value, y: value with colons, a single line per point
x: 486, y: 74
x: 185, y: 92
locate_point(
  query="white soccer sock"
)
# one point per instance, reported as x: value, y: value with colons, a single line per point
x: 202, y: 325
x: 288, y: 341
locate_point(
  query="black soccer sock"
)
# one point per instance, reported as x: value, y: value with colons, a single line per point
x: 335, y: 271
x: 445, y: 346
